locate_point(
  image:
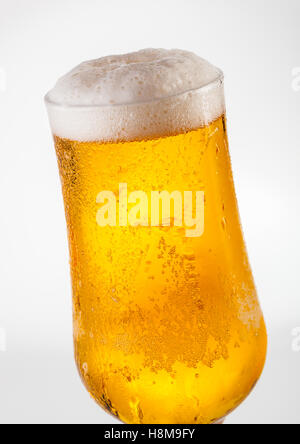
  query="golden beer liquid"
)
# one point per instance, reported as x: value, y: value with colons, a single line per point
x: 167, y: 328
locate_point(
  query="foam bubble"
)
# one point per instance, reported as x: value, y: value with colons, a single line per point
x: 150, y: 93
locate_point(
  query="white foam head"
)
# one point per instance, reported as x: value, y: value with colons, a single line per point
x: 150, y: 93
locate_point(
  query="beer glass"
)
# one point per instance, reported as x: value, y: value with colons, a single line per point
x: 167, y: 323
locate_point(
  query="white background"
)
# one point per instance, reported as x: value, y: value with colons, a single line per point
x: 257, y: 44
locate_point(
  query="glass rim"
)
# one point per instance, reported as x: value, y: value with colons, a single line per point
x: 217, y: 82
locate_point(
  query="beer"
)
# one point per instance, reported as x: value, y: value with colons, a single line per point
x: 167, y: 324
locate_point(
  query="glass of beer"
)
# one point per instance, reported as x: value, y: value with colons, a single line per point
x: 167, y: 323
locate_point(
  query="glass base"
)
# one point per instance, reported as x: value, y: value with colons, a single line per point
x: 221, y: 421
